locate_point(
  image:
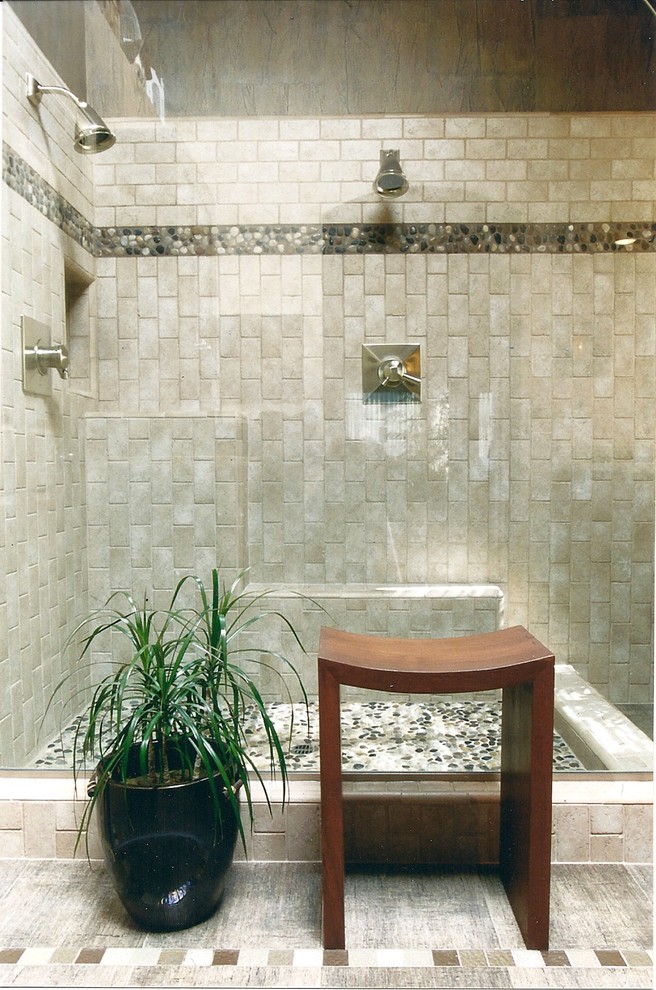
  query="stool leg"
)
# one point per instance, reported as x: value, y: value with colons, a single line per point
x: 526, y: 774
x: 332, y: 813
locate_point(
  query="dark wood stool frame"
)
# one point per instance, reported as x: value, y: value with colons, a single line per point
x: 510, y: 659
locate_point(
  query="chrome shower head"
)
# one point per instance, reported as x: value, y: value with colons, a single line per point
x: 391, y: 180
x: 91, y: 132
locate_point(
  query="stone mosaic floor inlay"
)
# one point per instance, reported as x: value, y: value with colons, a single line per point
x: 313, y: 957
x: 441, y: 736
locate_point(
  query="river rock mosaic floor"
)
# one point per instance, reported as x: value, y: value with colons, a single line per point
x: 377, y: 737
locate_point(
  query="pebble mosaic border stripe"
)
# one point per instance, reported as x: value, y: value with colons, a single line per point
x: 485, y: 238
x: 607, y: 958
x: 334, y: 238
x: 209, y: 240
x: 402, y: 238
x: 22, y: 178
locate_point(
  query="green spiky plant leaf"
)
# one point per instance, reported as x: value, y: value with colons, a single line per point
x: 181, y: 698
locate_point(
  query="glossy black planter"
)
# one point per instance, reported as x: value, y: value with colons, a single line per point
x: 166, y: 858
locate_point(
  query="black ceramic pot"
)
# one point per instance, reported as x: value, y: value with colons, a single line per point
x: 167, y: 858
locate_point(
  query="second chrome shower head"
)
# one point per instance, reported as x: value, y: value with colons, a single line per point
x: 391, y: 180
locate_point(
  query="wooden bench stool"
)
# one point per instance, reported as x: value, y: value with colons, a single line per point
x: 510, y: 659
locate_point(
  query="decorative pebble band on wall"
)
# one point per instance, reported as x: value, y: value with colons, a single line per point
x: 473, y: 238
x: 400, y: 238
x: 22, y: 178
x: 334, y: 238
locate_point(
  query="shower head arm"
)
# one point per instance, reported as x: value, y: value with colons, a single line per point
x: 35, y: 91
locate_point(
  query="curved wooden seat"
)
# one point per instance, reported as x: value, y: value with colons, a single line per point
x: 509, y: 659
x: 461, y: 663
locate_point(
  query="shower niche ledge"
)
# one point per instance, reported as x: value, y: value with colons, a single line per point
x: 353, y: 590
x: 403, y: 609
x: 487, y: 595
x: 395, y: 610
x: 399, y: 609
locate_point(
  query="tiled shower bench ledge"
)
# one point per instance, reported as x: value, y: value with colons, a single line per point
x: 604, y: 820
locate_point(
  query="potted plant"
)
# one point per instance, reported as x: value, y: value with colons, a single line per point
x: 166, y: 727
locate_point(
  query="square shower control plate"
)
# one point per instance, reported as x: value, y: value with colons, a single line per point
x: 34, y: 333
x: 391, y: 372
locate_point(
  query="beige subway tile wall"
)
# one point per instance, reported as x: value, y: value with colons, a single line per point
x: 226, y: 420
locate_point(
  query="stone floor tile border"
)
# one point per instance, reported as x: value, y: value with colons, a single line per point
x: 308, y: 958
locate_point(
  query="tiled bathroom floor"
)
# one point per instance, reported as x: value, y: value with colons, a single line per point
x: 62, y: 925
x: 425, y: 737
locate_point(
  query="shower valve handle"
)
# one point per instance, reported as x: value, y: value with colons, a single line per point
x: 391, y: 372
x: 50, y: 356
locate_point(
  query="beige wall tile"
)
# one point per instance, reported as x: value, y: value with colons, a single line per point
x: 38, y: 832
x: 638, y: 834
x: 11, y: 844
x: 606, y: 849
x: 303, y: 832
x: 269, y: 846
x: 572, y: 834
